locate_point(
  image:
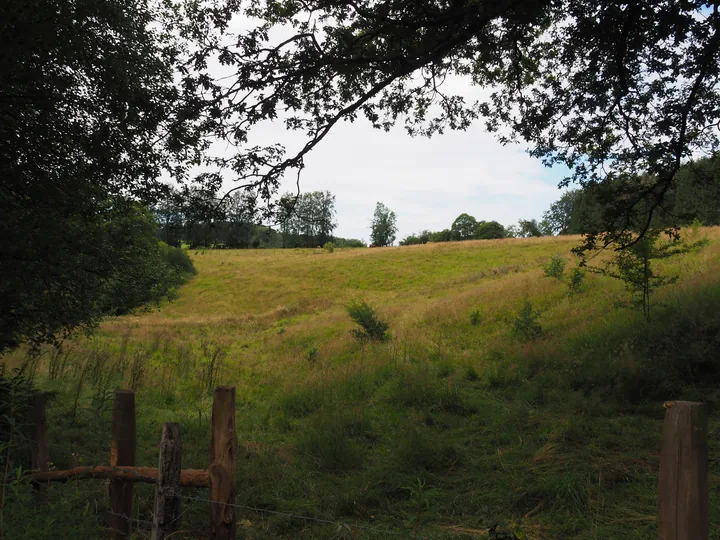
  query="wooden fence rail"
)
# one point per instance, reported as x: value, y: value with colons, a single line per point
x: 219, y: 478
x: 197, y: 478
x: 682, y: 487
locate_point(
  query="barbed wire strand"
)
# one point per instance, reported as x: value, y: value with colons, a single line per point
x: 264, y: 511
x: 305, y: 518
x: 136, y: 520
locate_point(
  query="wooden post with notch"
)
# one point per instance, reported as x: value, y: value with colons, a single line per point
x: 167, y: 492
x: 223, y: 450
x: 40, y: 449
x: 683, y: 484
x: 122, y: 452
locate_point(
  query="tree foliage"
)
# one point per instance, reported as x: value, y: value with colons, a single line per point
x: 464, y: 227
x: 89, y: 119
x: 307, y: 220
x: 611, y: 90
x: 383, y: 226
x: 694, y: 195
x: 528, y: 228
x: 415, y: 239
x: 487, y: 230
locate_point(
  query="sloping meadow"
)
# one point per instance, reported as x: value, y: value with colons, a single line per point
x: 502, y: 397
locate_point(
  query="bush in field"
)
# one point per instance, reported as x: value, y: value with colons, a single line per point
x: 177, y: 258
x: 555, y: 267
x: 575, y: 282
x: 371, y: 326
x: 525, y: 323
x: 329, y: 247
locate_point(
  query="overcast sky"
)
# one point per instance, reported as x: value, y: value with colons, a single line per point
x: 427, y: 182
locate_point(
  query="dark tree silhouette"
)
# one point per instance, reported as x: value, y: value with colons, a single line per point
x: 611, y: 90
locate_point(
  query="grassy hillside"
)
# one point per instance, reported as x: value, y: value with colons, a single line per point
x: 454, y: 424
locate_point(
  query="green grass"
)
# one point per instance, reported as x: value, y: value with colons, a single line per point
x: 452, y: 425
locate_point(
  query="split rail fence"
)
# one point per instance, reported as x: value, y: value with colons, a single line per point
x: 169, y: 477
x: 682, y: 490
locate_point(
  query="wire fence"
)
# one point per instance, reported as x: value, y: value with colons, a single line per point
x: 341, y: 525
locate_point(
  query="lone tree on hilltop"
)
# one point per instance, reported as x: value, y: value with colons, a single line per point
x: 383, y: 226
x: 464, y: 227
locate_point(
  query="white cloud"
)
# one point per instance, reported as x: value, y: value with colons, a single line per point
x: 427, y: 182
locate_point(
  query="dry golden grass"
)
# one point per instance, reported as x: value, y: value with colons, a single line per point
x: 267, y: 307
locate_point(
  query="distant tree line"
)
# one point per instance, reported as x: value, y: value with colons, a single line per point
x: 197, y: 218
x: 467, y: 227
x: 695, y: 196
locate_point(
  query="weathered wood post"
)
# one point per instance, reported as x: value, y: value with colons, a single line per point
x: 40, y: 449
x: 223, y: 449
x: 683, y: 485
x: 167, y: 492
x: 122, y: 452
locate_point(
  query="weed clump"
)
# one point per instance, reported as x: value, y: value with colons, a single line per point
x: 371, y: 326
x: 555, y: 267
x: 312, y: 354
x: 475, y: 317
x: 525, y: 323
x: 329, y: 247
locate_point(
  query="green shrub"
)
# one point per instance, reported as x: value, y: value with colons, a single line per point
x: 555, y: 267
x: 475, y: 317
x: 329, y: 247
x: 575, y: 282
x: 525, y: 323
x: 178, y: 258
x: 15, y: 416
x: 350, y: 243
x: 371, y: 326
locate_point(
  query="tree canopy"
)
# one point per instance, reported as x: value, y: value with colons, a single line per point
x: 308, y: 219
x: 383, y: 226
x: 464, y: 227
x: 89, y: 118
x: 614, y: 91
x: 487, y: 230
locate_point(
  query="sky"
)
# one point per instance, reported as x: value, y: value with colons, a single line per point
x: 426, y: 182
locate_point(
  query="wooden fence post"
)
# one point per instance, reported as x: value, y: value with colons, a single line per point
x: 40, y: 449
x: 223, y: 450
x: 167, y: 492
x: 683, y: 485
x: 122, y: 452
